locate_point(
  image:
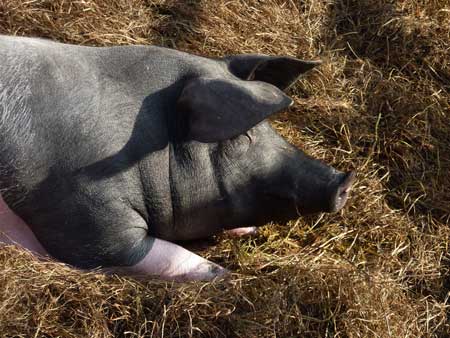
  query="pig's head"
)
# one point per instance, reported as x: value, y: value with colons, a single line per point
x: 251, y: 171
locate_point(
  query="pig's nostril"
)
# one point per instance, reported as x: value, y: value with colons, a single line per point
x: 345, y: 191
x: 342, y: 191
x: 348, y: 180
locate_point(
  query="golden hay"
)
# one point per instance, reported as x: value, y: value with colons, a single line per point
x: 379, y: 104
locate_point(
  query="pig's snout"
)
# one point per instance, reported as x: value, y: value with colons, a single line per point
x: 341, y: 190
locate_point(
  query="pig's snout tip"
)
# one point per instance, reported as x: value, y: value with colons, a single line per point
x: 342, y: 191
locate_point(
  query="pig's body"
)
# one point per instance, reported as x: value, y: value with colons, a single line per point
x: 110, y: 153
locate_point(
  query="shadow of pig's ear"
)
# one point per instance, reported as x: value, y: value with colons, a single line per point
x: 282, y: 71
x: 218, y: 109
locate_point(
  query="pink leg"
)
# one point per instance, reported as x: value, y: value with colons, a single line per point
x: 165, y: 260
x: 14, y: 231
x: 239, y: 232
x: 170, y: 261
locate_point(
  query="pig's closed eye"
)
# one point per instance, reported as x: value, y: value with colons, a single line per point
x: 246, y: 134
x: 238, y: 146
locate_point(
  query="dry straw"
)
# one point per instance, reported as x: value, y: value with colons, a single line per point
x: 379, y: 104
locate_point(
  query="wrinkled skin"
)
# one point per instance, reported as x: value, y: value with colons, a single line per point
x: 111, y: 154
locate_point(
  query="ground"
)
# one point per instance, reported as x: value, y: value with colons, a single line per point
x: 379, y: 104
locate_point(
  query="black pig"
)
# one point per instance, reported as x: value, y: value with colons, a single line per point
x: 110, y: 154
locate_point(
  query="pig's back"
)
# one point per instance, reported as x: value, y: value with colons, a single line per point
x: 70, y: 115
x: 51, y: 112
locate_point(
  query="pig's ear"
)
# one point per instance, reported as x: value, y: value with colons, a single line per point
x: 281, y: 71
x: 212, y: 109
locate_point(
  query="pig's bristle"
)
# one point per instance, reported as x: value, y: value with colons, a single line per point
x: 379, y: 104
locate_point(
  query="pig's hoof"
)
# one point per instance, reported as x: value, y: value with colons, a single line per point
x: 218, y: 272
x: 205, y: 272
x: 240, y: 232
x: 215, y: 271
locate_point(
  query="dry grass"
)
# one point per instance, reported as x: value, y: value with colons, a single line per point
x: 379, y: 104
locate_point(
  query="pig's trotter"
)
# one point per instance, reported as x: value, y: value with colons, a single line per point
x: 170, y: 261
x: 240, y: 232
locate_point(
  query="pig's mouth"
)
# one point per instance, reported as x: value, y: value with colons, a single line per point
x: 331, y: 200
